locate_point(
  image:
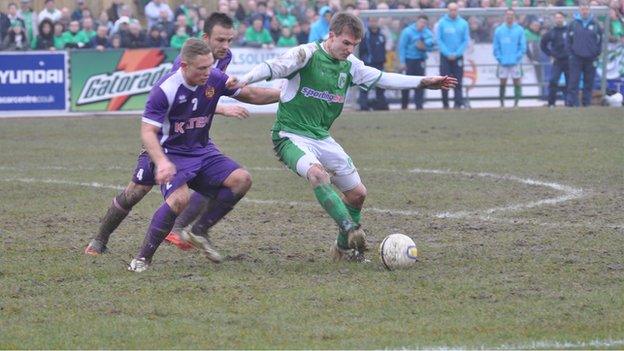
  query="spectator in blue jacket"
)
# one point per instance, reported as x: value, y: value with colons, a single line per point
x: 509, y: 47
x: 585, y: 43
x: 553, y: 44
x: 373, y: 53
x: 414, y: 43
x: 452, y: 37
x: 320, y: 28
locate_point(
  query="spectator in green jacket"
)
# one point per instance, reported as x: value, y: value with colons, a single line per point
x: 287, y: 39
x: 87, y: 28
x: 178, y: 39
x: 59, y: 42
x: 74, y: 38
x: 257, y: 35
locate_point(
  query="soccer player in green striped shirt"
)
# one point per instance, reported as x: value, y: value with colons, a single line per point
x: 319, y: 75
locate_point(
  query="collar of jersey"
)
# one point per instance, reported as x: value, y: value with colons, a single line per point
x: 324, y: 52
x: 186, y: 85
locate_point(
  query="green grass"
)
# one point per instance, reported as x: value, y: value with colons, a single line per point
x: 533, y: 277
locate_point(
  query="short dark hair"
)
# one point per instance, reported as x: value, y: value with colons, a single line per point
x: 560, y: 13
x: 345, y: 20
x: 217, y: 18
x: 423, y: 17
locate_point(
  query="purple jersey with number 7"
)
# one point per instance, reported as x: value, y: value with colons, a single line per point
x: 184, y: 113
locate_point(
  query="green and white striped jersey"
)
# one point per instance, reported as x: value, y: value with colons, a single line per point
x: 317, y: 85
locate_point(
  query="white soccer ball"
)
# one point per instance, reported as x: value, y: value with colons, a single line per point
x: 398, y: 251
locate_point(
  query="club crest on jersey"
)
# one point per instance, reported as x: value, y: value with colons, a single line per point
x: 182, y: 99
x: 210, y: 91
x: 342, y: 80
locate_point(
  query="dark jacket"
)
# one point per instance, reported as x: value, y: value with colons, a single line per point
x: 373, y: 48
x: 96, y: 41
x: 585, y: 38
x: 159, y: 42
x: 553, y: 43
x: 131, y: 41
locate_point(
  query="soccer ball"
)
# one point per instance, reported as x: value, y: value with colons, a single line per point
x: 397, y: 251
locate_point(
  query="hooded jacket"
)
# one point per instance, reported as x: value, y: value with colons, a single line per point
x: 509, y: 44
x: 585, y: 37
x: 452, y: 36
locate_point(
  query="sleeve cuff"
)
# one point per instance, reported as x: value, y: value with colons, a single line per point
x: 152, y: 122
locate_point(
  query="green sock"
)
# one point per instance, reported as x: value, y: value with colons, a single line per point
x: 501, y: 94
x: 356, y: 213
x: 517, y: 94
x: 333, y: 205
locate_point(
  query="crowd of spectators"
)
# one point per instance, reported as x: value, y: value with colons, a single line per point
x: 283, y: 23
x: 271, y: 23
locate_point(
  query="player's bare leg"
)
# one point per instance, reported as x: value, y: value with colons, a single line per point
x: 234, y: 188
x: 160, y: 226
x: 120, y: 207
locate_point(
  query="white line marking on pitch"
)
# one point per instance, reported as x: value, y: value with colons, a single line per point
x: 570, y: 193
x: 536, y: 345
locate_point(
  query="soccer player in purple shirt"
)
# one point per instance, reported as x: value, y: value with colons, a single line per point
x: 175, y: 132
x: 218, y: 34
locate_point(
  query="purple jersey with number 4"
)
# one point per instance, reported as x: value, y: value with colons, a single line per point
x: 220, y: 64
x: 184, y: 113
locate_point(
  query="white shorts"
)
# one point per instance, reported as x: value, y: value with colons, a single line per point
x: 513, y: 72
x: 328, y: 153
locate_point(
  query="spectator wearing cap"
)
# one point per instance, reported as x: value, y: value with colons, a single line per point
x: 50, y: 12
x: 452, y: 36
x: 257, y: 36
x: 415, y: 41
x: 121, y: 26
x: 73, y: 38
x: 154, y: 9
x: 80, y: 7
x: 45, y: 39
x: 553, y: 44
x: 585, y: 43
x: 100, y: 40
x: 30, y: 19
x: 134, y: 38
x: 155, y: 37
x: 16, y: 39
x: 320, y: 29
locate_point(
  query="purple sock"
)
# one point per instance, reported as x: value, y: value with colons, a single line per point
x: 161, y: 224
x: 196, y: 205
x: 223, y: 203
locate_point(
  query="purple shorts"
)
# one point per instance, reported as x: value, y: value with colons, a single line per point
x: 144, y: 171
x: 204, y: 174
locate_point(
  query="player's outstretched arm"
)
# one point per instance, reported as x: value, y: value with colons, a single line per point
x: 402, y: 81
x: 258, y: 96
x: 165, y: 170
x: 232, y: 111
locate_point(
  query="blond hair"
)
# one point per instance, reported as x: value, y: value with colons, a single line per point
x: 194, y: 47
